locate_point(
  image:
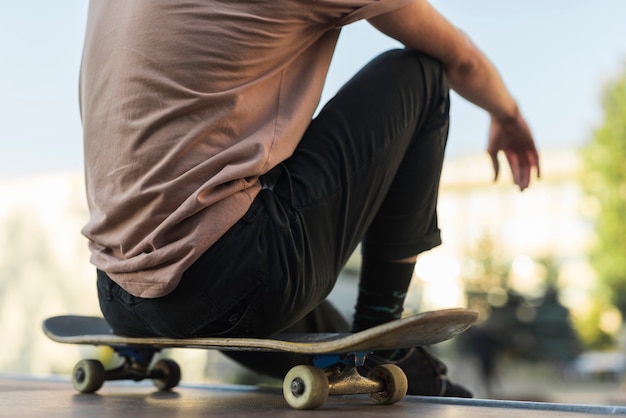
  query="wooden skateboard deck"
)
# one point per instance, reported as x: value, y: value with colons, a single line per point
x: 337, y: 356
x: 423, y: 329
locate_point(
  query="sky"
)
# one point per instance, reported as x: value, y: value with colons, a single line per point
x: 555, y: 56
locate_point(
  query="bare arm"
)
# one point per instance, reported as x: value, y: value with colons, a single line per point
x: 419, y: 26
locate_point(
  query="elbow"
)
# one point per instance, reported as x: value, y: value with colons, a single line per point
x: 462, y: 69
x: 463, y: 62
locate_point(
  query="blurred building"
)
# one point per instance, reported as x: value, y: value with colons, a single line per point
x: 549, y: 220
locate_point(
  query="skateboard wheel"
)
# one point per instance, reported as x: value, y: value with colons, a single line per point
x: 88, y: 376
x: 168, y: 374
x: 305, y: 387
x: 396, y: 384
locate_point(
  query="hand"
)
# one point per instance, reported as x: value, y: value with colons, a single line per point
x: 513, y: 137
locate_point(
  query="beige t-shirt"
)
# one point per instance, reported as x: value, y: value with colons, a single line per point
x: 184, y: 105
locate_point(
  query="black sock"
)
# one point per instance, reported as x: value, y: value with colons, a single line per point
x: 382, y: 289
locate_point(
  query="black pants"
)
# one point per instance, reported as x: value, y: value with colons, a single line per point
x: 366, y: 171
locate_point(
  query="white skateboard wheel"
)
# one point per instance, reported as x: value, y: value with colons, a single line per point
x: 305, y: 387
x: 396, y: 384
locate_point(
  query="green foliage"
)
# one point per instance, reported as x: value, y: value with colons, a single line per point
x: 604, y: 180
x: 593, y: 336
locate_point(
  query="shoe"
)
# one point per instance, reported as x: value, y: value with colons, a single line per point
x: 426, y: 374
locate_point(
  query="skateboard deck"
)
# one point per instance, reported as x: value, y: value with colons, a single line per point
x: 423, y: 329
x: 336, y: 355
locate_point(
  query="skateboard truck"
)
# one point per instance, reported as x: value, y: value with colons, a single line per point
x: 308, y: 387
x: 89, y: 375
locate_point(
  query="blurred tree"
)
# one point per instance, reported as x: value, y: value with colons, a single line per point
x: 532, y: 326
x: 604, y: 180
x: 485, y: 276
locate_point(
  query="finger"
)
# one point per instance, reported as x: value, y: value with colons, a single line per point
x: 534, y: 158
x: 513, y: 161
x: 495, y: 163
x: 523, y: 176
x: 525, y: 167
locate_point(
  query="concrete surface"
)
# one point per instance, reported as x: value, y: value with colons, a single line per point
x: 26, y: 397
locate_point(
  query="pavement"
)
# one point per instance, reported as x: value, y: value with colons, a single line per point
x: 28, y: 396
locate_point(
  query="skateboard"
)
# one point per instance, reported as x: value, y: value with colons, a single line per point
x: 335, y: 356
